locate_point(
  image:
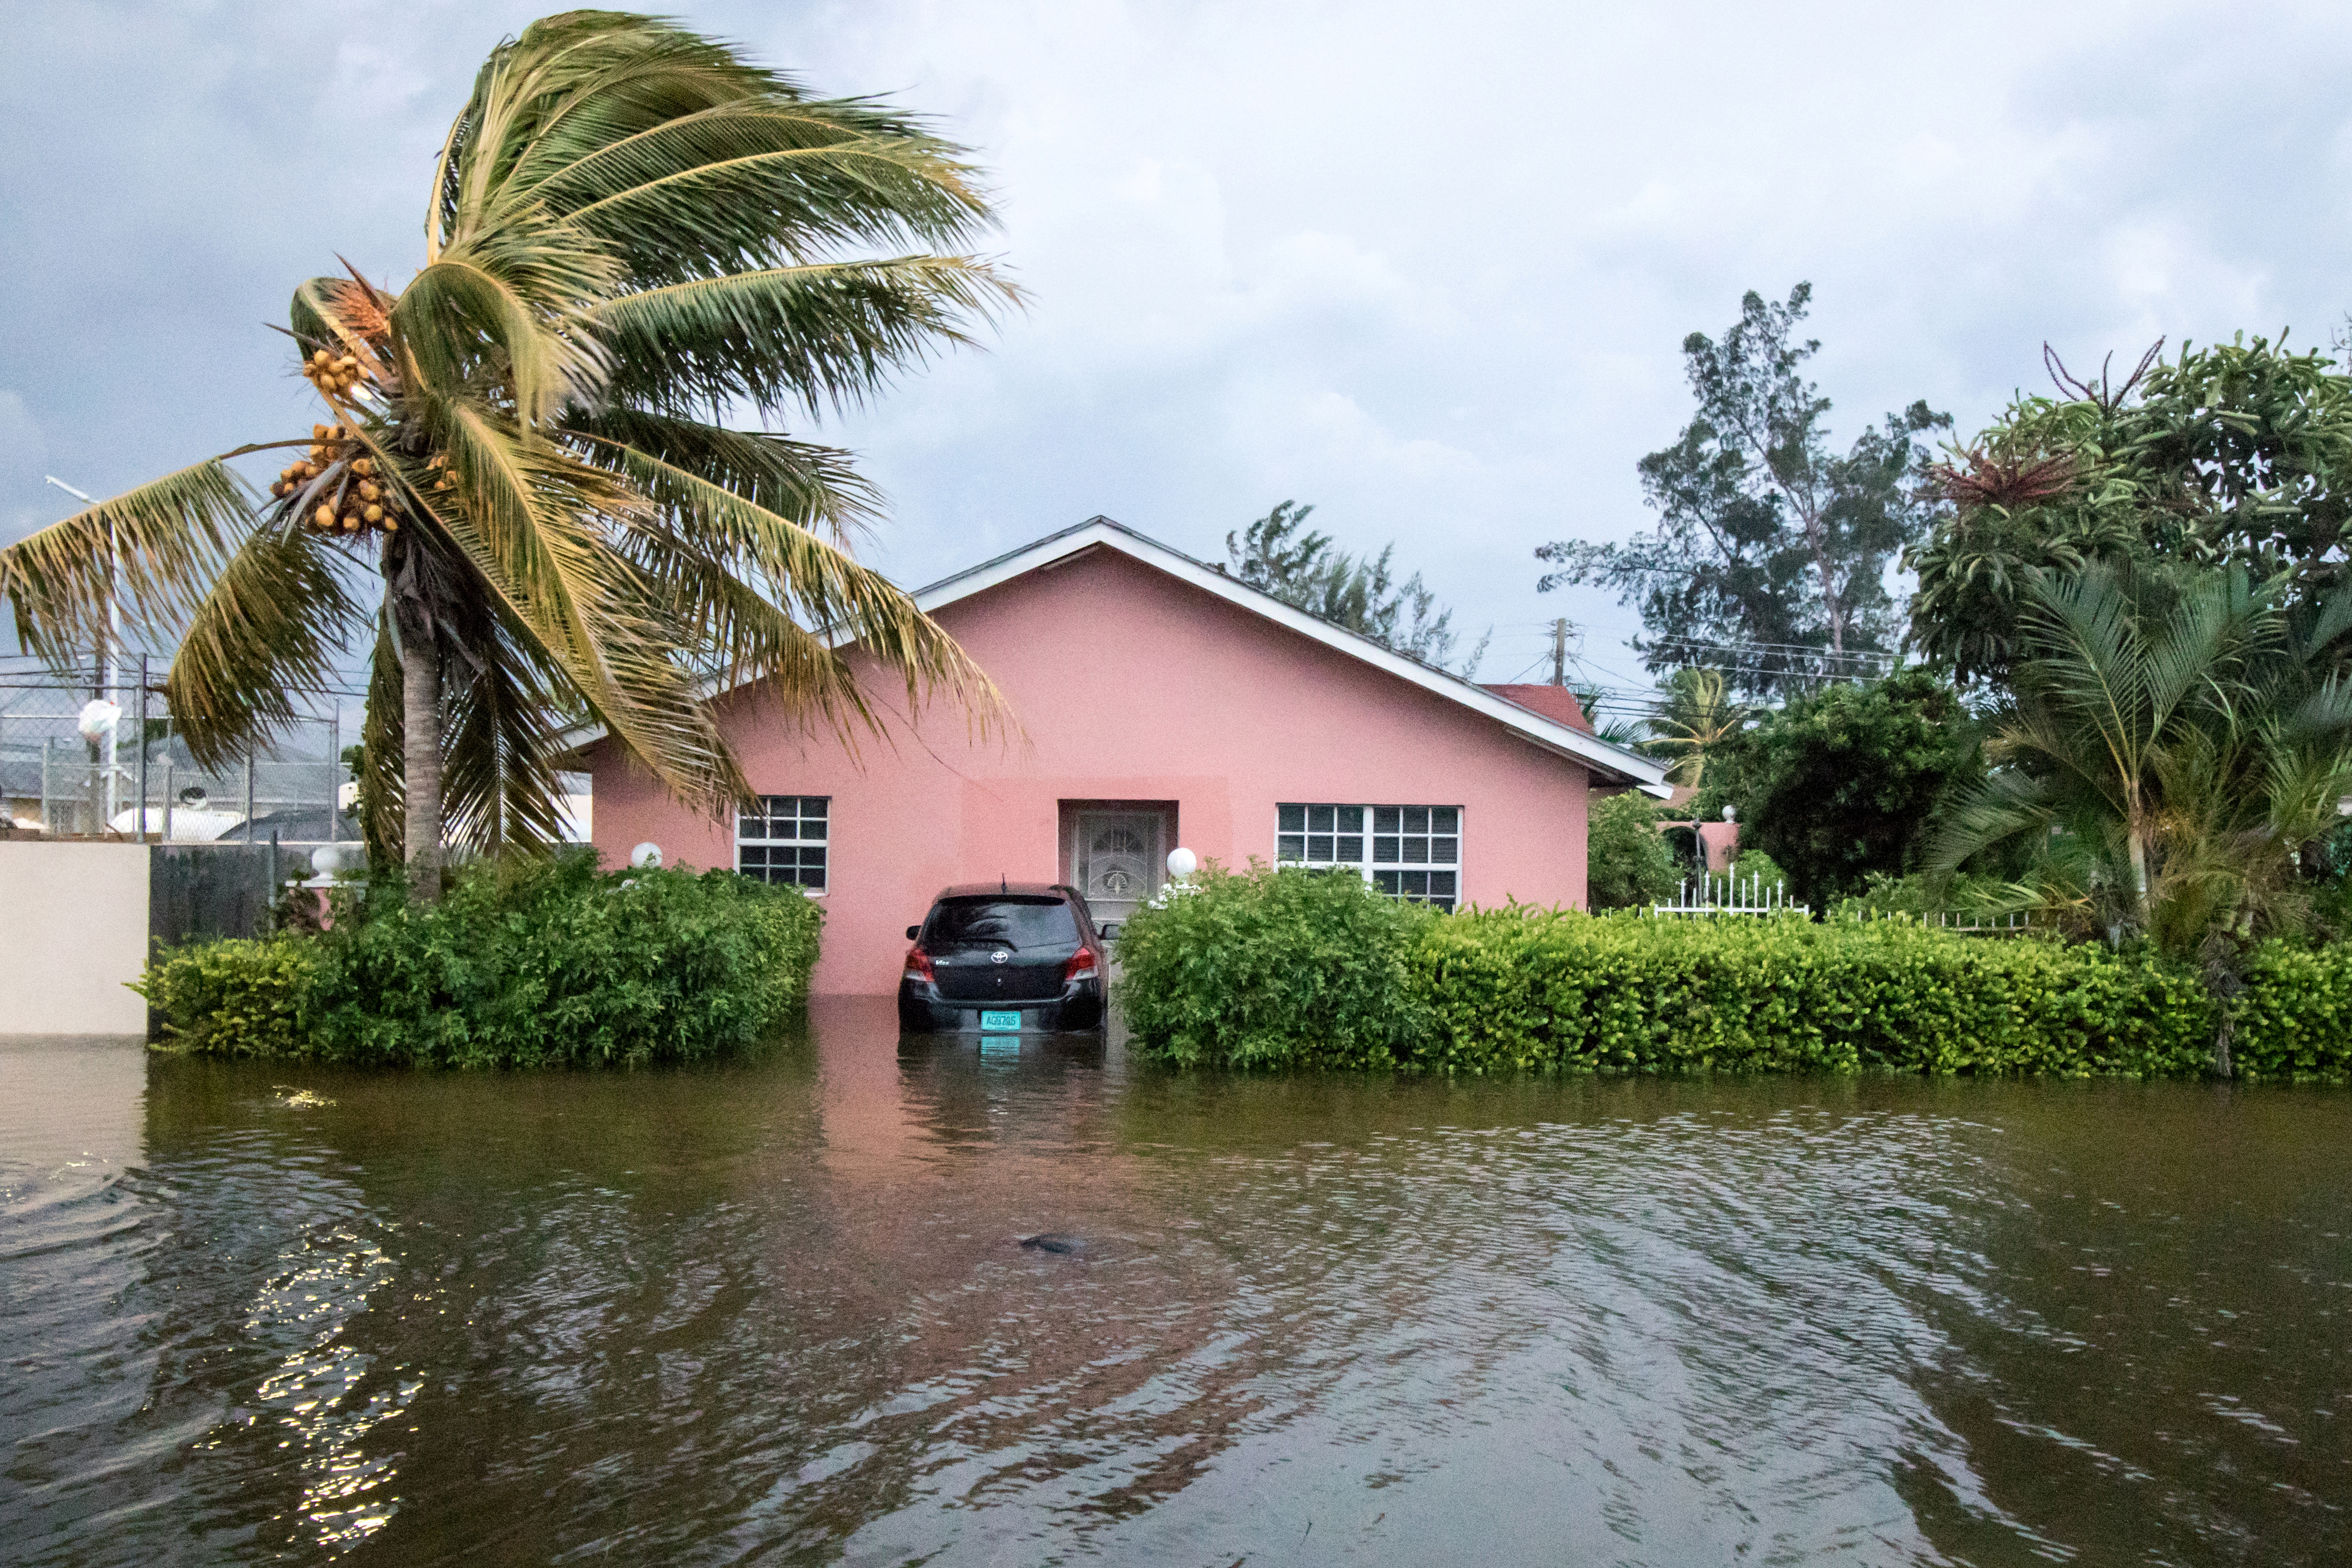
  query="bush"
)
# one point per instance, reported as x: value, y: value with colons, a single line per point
x: 1516, y: 989
x: 1626, y: 859
x: 1290, y: 968
x: 232, y: 999
x: 522, y: 963
x: 1273, y: 968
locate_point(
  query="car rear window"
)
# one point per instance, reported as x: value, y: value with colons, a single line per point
x: 1001, y: 922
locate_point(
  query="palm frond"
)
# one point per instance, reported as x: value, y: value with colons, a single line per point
x: 826, y: 587
x: 808, y: 336
x: 273, y: 622
x: 818, y: 487
x: 155, y: 547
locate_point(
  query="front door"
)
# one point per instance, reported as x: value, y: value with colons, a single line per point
x: 1116, y: 859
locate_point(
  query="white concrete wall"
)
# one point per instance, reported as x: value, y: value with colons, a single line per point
x: 73, y: 928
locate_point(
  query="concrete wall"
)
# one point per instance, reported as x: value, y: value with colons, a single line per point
x: 1129, y: 684
x: 73, y: 928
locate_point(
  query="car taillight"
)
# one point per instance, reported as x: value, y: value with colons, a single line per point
x: 918, y: 964
x: 1081, y: 966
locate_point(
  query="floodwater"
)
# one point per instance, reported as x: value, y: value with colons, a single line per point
x: 779, y: 1312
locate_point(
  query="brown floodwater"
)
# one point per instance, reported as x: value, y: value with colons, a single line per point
x: 778, y: 1312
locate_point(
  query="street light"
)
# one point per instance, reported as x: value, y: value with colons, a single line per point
x: 109, y: 644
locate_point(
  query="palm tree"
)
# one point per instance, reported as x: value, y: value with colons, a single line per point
x: 2175, y: 742
x: 1698, y: 720
x: 630, y: 229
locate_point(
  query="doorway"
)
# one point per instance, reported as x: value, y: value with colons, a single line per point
x: 1116, y: 853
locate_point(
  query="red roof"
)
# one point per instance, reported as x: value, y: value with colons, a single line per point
x: 1554, y: 703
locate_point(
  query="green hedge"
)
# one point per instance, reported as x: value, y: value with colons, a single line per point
x: 522, y: 963
x: 1275, y: 968
x: 1269, y: 969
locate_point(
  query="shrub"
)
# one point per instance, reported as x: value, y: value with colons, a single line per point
x: 521, y: 964
x: 1272, y: 968
x: 1514, y: 989
x: 2294, y: 1018
x: 1283, y: 968
x: 1627, y: 862
x: 232, y: 997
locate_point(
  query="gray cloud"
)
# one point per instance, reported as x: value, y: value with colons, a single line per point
x: 1426, y: 267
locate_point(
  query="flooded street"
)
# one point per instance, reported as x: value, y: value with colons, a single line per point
x: 779, y: 1312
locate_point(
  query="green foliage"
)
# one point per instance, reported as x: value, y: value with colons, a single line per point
x: 1268, y: 969
x: 1767, y: 538
x: 233, y: 997
x: 522, y: 963
x: 1927, y: 894
x: 1298, y: 969
x: 2239, y: 452
x: 1845, y: 782
x: 1627, y: 862
x: 1751, y: 863
x: 1358, y: 592
x: 1518, y: 989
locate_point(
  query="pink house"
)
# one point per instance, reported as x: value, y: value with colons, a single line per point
x: 1160, y: 703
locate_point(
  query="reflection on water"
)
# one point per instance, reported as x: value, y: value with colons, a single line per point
x: 779, y: 1312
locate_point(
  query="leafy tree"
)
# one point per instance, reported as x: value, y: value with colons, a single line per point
x: 1697, y: 720
x: 629, y: 228
x: 1627, y: 860
x: 1847, y: 780
x: 2180, y: 741
x: 2237, y: 453
x: 1298, y: 566
x: 1769, y: 542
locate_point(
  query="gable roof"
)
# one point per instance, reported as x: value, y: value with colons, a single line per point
x: 1613, y: 763
x: 1552, y: 702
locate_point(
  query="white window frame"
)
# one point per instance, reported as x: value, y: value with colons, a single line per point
x: 799, y: 818
x: 1390, y: 874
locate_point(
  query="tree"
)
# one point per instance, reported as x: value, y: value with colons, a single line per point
x: 1303, y: 571
x: 1697, y: 720
x: 1627, y: 862
x: 1848, y: 780
x: 2238, y: 453
x: 2179, y: 741
x: 630, y: 228
x: 1769, y: 543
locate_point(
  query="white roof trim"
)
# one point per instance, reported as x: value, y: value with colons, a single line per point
x: 1614, y: 761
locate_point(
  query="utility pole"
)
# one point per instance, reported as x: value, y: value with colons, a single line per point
x: 1559, y: 652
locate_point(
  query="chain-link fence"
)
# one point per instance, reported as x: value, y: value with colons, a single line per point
x: 92, y: 753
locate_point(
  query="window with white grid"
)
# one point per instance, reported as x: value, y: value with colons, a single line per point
x: 785, y: 840
x: 1414, y: 852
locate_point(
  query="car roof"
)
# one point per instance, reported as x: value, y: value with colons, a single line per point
x: 1002, y: 889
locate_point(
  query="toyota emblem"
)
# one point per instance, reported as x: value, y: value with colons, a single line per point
x: 999, y: 956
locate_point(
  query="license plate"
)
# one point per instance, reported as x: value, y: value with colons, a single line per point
x: 1000, y: 1045
x: 995, y: 1020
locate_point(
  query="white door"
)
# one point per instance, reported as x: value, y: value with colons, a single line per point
x: 1118, y: 860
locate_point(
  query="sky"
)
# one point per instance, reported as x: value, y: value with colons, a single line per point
x: 1426, y: 267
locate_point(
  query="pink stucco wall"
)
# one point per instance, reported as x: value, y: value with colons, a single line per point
x: 1129, y: 684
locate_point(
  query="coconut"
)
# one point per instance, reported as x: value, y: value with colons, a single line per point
x: 373, y: 513
x: 363, y: 466
x: 320, y: 357
x: 325, y: 517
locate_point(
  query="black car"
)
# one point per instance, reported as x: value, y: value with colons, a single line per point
x: 1001, y: 957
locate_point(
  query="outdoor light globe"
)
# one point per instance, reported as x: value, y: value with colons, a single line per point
x: 1182, y: 864
x: 98, y: 716
x: 334, y: 859
x: 646, y: 857
x: 1729, y: 815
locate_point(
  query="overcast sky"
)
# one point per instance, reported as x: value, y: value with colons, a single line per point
x: 1426, y: 266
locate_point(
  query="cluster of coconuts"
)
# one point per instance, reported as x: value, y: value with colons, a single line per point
x: 331, y: 374
x: 355, y: 501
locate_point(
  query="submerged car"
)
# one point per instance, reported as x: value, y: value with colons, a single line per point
x: 1004, y: 956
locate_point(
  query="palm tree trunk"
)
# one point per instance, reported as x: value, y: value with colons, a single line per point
x: 420, y: 714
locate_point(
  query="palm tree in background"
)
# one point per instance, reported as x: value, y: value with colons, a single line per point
x: 631, y: 229
x: 2176, y: 740
x: 1697, y: 720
